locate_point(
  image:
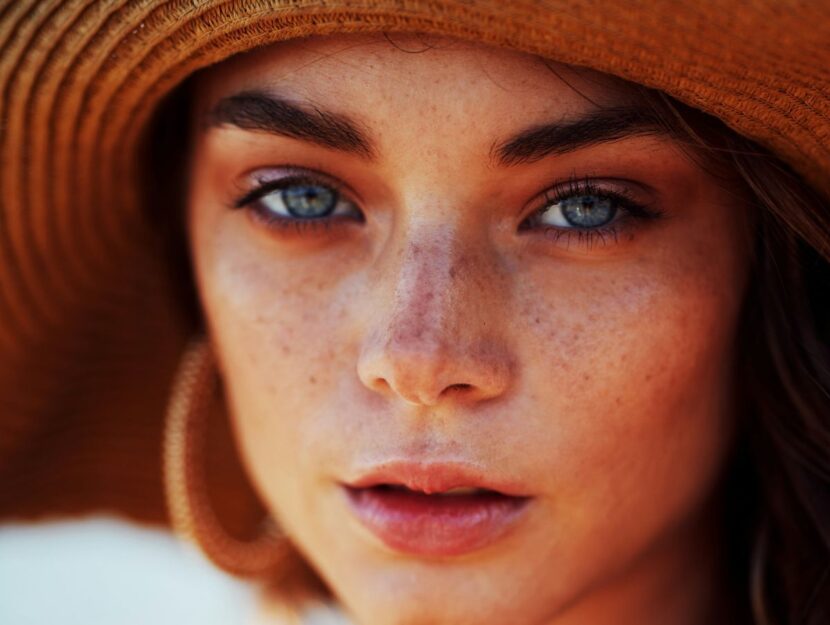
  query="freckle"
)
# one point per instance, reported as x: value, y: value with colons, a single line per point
x: 536, y: 320
x: 312, y: 379
x: 586, y: 377
x: 286, y: 350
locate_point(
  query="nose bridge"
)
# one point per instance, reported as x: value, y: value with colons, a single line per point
x: 427, y: 293
x: 432, y: 336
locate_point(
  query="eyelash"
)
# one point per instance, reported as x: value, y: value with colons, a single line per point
x: 632, y: 211
x: 300, y: 225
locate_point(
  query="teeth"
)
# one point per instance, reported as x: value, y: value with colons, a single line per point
x: 460, y: 491
x: 453, y: 492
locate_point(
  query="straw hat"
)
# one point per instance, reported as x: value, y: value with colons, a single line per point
x: 91, y: 328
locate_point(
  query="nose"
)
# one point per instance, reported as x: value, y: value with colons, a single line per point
x: 434, y: 332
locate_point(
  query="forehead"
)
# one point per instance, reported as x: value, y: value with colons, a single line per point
x: 383, y: 79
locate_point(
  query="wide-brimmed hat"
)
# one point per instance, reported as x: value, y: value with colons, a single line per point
x: 91, y: 327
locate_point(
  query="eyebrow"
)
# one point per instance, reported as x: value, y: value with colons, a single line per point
x: 256, y: 110
x: 599, y: 126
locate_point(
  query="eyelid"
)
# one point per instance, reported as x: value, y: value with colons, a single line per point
x: 617, y: 188
x: 284, y: 175
x: 573, y: 185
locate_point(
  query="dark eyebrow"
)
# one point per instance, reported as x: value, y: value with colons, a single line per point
x: 255, y: 110
x: 600, y: 126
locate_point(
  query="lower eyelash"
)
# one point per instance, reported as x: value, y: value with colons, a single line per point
x: 299, y: 226
x: 587, y: 238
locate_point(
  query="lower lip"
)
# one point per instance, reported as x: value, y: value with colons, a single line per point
x: 435, y: 525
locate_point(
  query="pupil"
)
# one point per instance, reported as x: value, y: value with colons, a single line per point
x: 309, y: 200
x: 588, y: 211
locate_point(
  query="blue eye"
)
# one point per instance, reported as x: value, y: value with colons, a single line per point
x: 580, y: 211
x: 302, y: 200
x: 298, y: 201
x: 308, y: 200
x: 584, y: 211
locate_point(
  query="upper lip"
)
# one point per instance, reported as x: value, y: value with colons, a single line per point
x: 432, y: 477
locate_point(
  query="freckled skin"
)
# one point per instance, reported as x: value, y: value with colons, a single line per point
x: 599, y: 379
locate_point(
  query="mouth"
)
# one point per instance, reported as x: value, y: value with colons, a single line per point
x: 434, y: 510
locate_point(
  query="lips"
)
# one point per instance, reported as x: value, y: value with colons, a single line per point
x: 434, y: 509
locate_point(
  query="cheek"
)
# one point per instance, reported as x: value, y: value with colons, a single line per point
x: 628, y: 382
x: 277, y: 331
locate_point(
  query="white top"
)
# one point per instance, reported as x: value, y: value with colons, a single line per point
x: 105, y: 571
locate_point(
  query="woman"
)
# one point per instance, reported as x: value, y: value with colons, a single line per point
x: 500, y: 339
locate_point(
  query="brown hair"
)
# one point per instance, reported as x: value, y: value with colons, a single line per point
x: 777, y: 513
x: 777, y: 500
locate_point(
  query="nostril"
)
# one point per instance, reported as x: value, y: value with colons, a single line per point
x: 458, y: 387
x: 382, y: 385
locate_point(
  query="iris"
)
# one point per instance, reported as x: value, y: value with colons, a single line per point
x: 309, y: 200
x: 588, y: 211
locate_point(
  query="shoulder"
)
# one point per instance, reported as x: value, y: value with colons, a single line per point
x: 103, y: 570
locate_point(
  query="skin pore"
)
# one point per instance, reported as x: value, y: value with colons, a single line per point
x: 548, y: 301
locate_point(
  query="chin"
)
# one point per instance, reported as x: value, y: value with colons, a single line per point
x: 455, y: 612
x: 409, y: 597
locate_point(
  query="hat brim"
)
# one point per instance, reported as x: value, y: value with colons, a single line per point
x: 90, y: 331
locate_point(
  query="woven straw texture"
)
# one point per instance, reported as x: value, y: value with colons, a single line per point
x: 90, y: 333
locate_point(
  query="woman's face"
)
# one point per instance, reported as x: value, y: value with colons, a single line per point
x: 466, y: 268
